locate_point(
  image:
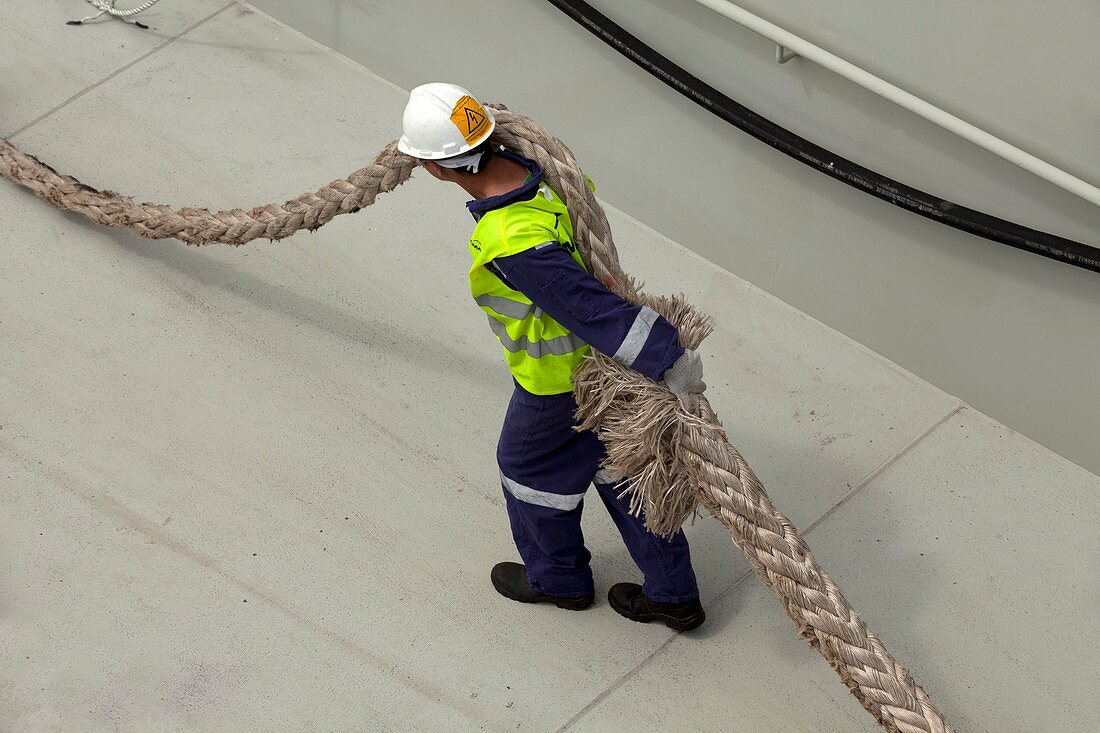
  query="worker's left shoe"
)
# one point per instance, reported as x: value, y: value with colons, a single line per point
x: 510, y: 580
x: 628, y: 600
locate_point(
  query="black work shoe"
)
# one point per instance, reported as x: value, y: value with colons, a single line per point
x: 510, y: 580
x: 628, y: 600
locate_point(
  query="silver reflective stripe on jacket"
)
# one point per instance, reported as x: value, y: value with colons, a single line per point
x: 635, y: 340
x: 506, y: 306
x: 541, y: 498
x: 559, y: 346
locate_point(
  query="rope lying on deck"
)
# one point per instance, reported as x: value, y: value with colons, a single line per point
x: 108, y: 6
x: 675, y: 459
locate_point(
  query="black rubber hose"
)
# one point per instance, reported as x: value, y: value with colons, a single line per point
x: 932, y: 207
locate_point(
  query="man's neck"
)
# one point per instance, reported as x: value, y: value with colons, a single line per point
x: 498, y: 177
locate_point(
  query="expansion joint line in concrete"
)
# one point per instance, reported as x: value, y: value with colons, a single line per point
x: 118, y: 71
x: 883, y: 466
x: 617, y: 684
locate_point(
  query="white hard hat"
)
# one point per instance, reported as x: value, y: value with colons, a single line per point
x: 443, y: 120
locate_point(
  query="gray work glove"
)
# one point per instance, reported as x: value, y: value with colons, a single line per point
x: 685, y: 380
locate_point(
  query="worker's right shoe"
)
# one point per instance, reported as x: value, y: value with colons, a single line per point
x: 628, y: 600
x: 510, y: 580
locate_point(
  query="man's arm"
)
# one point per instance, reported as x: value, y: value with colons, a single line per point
x: 637, y: 337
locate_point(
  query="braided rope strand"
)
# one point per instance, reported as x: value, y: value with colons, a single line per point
x: 197, y: 226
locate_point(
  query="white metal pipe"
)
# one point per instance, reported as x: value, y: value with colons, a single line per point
x: 930, y: 112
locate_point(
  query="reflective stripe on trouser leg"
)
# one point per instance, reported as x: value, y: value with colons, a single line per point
x: 666, y: 564
x: 540, y: 498
x: 546, y: 466
x: 547, y: 530
x: 552, y: 547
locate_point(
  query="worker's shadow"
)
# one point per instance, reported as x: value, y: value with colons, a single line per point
x: 410, y: 347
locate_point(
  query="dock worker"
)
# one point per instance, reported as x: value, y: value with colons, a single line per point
x: 548, y: 311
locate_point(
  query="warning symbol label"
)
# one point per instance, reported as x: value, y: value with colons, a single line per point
x: 470, y: 118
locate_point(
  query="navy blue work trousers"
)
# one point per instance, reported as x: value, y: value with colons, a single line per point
x: 546, y: 467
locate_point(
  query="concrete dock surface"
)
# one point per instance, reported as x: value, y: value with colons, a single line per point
x: 255, y: 489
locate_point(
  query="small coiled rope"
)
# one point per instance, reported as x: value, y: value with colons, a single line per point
x: 108, y: 6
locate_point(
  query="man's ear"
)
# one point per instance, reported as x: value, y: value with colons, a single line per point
x: 435, y: 169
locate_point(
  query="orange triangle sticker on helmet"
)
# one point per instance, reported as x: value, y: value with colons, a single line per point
x: 470, y: 119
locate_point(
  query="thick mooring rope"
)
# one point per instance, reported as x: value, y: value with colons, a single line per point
x: 675, y: 459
